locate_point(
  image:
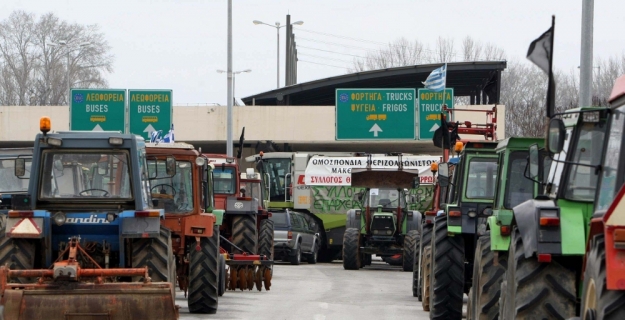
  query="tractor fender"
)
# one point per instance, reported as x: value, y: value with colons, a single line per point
x: 413, y: 220
x: 353, y: 220
x: 525, y: 216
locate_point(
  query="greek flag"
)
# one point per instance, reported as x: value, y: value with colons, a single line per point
x: 155, y: 136
x: 169, y: 137
x: 436, y: 79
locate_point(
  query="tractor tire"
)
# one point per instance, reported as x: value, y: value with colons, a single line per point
x: 156, y: 254
x: 417, y: 269
x: 411, y: 244
x: 536, y: 290
x: 244, y: 233
x: 204, y: 274
x: 487, y: 278
x: 427, y: 277
x: 265, y: 238
x: 366, y: 259
x: 17, y: 254
x: 351, y: 249
x: 447, y: 274
x: 222, y: 275
x: 597, y: 301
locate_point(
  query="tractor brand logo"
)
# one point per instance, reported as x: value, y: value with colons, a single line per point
x: 238, y: 205
x: 92, y: 219
x: 78, y: 97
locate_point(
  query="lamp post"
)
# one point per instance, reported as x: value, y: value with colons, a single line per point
x: 234, y: 73
x: 278, y: 26
x: 70, y: 48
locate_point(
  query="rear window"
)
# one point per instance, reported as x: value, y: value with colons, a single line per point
x: 279, y: 219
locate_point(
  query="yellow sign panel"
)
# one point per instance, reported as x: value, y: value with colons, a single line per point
x: 97, y: 118
x: 153, y: 119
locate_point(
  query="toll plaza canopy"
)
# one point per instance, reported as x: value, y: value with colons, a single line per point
x: 479, y: 80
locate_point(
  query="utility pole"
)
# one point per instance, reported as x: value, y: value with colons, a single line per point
x: 585, y: 77
x: 229, y: 120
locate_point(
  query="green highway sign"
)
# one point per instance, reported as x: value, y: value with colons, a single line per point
x: 97, y: 109
x: 149, y: 110
x: 375, y: 114
x: 430, y: 108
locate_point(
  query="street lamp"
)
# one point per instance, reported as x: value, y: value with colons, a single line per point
x: 278, y: 26
x: 234, y: 97
x: 70, y: 48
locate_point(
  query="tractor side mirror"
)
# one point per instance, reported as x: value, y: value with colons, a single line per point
x: 443, y: 174
x: 534, y: 161
x: 358, y: 196
x: 416, y: 182
x: 170, y: 166
x: 20, y: 167
x: 556, y: 135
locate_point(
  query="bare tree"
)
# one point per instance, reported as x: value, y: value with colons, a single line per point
x: 35, y: 71
x: 399, y: 53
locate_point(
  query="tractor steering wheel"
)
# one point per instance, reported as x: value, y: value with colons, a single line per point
x: 165, y: 185
x: 106, y: 193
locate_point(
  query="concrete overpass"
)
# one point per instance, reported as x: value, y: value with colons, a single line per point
x: 300, y: 128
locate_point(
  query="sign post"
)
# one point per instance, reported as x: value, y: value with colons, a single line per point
x: 430, y: 108
x: 375, y: 114
x: 149, y: 110
x: 97, y: 110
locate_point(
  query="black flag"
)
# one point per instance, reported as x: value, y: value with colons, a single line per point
x: 241, y: 139
x: 541, y: 54
x: 441, y: 135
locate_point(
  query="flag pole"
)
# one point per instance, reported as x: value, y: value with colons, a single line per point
x: 550, y: 102
x: 443, y: 111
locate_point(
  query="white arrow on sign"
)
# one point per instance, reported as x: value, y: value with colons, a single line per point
x: 149, y: 129
x: 97, y: 128
x: 434, y: 127
x: 375, y: 129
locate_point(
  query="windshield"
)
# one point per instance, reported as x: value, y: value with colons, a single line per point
x: 173, y: 194
x: 224, y: 180
x: 277, y: 170
x: 8, y: 181
x: 582, y: 180
x: 608, y: 189
x: 387, y: 198
x: 97, y: 174
x: 519, y: 188
x: 251, y: 189
x: 482, y: 178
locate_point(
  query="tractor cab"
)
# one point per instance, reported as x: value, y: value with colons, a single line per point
x: 384, y: 206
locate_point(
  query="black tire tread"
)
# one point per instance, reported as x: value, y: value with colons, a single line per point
x: 610, y: 303
x: 265, y: 238
x: 487, y: 278
x: 244, y: 233
x: 155, y: 253
x: 17, y: 254
x: 204, y: 275
x: 351, y: 249
x: 417, y: 271
x: 427, y: 277
x: 411, y: 245
x: 537, y: 290
x: 447, y: 282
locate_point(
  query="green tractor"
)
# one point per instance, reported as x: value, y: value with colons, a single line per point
x: 384, y: 226
x: 547, y: 240
x: 453, y: 236
x: 491, y: 249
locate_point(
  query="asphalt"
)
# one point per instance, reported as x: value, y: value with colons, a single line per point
x: 320, y: 292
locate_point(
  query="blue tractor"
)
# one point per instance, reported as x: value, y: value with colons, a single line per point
x: 85, y: 239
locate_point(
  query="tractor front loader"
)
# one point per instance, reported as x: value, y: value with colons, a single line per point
x: 85, y: 241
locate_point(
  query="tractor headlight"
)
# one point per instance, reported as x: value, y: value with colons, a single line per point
x: 200, y: 161
x: 472, y: 213
x: 110, y: 217
x: 59, y: 218
x: 389, y: 232
x: 376, y: 231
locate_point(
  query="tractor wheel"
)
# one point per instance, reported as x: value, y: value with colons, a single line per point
x: 17, y: 254
x: 427, y: 276
x: 447, y: 274
x: 417, y: 269
x: 244, y: 233
x: 536, y: 290
x: 155, y: 253
x: 222, y: 275
x: 204, y: 274
x: 351, y: 249
x: 597, y: 301
x: 265, y: 238
x: 411, y: 244
x: 366, y: 259
x: 487, y: 279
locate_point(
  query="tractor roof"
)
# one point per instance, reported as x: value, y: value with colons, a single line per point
x: 619, y: 89
x: 518, y: 143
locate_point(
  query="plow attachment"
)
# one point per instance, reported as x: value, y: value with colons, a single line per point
x: 248, y: 271
x: 68, y: 292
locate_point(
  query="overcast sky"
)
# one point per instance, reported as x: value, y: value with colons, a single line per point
x: 179, y: 45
